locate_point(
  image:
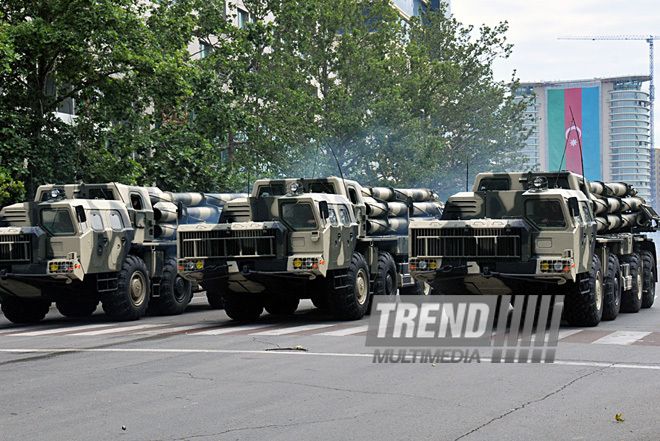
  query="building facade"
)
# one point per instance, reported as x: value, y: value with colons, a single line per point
x: 605, y: 122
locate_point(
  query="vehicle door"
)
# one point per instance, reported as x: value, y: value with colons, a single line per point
x: 101, y: 242
x: 117, y: 240
x: 345, y: 237
x: 587, y: 235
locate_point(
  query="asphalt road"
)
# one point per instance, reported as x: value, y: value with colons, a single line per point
x: 199, y: 377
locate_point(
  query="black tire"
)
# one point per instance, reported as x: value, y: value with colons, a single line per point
x: 175, y: 292
x: 317, y: 289
x: 350, y: 301
x: 419, y: 288
x: 385, y: 283
x: 242, y: 306
x: 214, y: 296
x: 131, y: 298
x: 24, y: 311
x: 648, y: 281
x: 77, y: 305
x: 585, y: 309
x: 631, y: 300
x: 277, y: 303
x: 612, y: 289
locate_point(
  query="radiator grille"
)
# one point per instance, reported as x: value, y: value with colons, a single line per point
x: 227, y: 243
x: 15, y: 248
x: 467, y: 243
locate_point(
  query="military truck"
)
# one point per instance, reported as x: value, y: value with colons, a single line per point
x: 543, y: 233
x: 327, y: 239
x: 79, y: 244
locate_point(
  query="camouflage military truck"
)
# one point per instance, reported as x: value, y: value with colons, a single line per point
x: 79, y: 244
x: 543, y: 233
x: 327, y: 239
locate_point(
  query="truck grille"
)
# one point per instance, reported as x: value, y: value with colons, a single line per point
x: 466, y: 243
x: 15, y: 248
x: 227, y: 243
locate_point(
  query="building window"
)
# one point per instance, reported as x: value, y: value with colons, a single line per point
x: 243, y: 18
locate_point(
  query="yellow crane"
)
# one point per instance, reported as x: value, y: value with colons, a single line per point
x: 649, y: 39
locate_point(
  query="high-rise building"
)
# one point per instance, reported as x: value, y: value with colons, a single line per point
x: 604, y: 121
x: 409, y: 8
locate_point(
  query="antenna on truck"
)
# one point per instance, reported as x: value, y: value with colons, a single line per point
x: 467, y: 171
x: 338, y: 166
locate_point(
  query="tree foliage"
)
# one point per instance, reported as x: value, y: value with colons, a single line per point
x: 172, y: 93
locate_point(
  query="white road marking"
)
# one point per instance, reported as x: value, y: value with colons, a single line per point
x: 291, y: 330
x: 175, y: 329
x: 567, y: 333
x: 59, y: 329
x: 230, y: 329
x: 621, y: 338
x: 346, y: 331
x: 116, y: 330
x: 611, y: 365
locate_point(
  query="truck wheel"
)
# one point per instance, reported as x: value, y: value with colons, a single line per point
x: 214, y: 296
x: 77, y: 305
x: 612, y: 289
x: 648, y: 284
x: 586, y: 309
x: 175, y: 292
x: 350, y: 300
x: 318, y: 289
x: 130, y: 300
x: 24, y: 311
x: 242, y: 306
x: 631, y: 300
x: 277, y: 303
x: 385, y: 281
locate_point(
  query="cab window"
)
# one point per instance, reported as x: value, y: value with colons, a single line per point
x: 57, y: 221
x: 115, y: 221
x: 136, y: 202
x: 586, y: 213
x: 494, y: 184
x: 271, y: 190
x: 101, y: 193
x: 299, y: 215
x: 96, y: 221
x: 344, y: 217
x: 352, y: 195
x: 545, y: 214
x: 332, y: 217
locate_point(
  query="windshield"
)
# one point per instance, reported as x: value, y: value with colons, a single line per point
x: 545, y: 214
x: 299, y: 215
x: 57, y: 221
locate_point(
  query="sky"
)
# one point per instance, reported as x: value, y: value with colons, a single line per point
x: 538, y: 54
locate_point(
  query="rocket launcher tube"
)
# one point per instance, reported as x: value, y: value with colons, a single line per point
x: 165, y: 212
x: 220, y: 199
x: 374, y: 208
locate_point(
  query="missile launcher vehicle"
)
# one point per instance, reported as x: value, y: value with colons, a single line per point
x: 327, y: 239
x: 81, y: 244
x: 543, y: 233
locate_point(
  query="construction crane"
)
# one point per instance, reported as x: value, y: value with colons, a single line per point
x: 649, y: 39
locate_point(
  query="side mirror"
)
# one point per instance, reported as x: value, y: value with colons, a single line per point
x: 325, y: 211
x: 179, y: 210
x: 573, y: 206
x: 80, y: 213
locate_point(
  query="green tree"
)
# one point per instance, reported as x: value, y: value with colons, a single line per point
x: 459, y: 117
x: 122, y: 61
x: 10, y: 190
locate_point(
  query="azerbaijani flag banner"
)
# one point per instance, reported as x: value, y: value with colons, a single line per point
x: 573, y: 122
